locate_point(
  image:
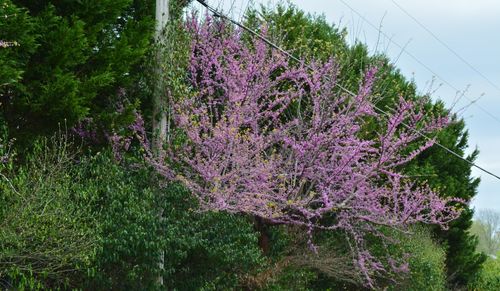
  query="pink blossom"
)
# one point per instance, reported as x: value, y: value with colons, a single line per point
x: 272, y: 139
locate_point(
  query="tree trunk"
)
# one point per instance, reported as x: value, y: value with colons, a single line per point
x: 262, y: 228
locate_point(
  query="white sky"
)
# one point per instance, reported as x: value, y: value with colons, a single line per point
x: 469, y: 27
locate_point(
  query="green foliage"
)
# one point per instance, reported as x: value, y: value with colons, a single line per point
x: 46, y: 239
x: 90, y: 223
x: 94, y: 224
x: 16, y: 27
x: 308, y: 36
x: 206, y: 250
x: 426, y: 262
x: 74, y: 56
x: 293, y: 278
x: 426, y: 268
x: 125, y: 207
x: 292, y: 265
x: 488, y: 278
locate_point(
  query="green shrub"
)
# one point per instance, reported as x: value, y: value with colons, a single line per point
x: 128, y: 236
x: 46, y: 238
x: 201, y: 250
x: 92, y: 223
x: 208, y: 250
x: 489, y: 277
x: 426, y: 261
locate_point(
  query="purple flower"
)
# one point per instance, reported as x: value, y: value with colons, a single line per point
x: 272, y: 139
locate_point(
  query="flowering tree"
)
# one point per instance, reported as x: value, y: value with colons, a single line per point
x: 280, y: 142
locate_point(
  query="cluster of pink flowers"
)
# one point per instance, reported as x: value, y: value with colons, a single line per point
x: 276, y: 140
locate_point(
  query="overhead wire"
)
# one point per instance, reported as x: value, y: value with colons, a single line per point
x: 218, y: 14
x: 472, y: 101
x: 449, y: 48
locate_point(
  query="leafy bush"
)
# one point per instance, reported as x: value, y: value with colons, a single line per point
x: 489, y: 277
x: 427, y: 269
x: 209, y: 250
x: 129, y: 237
x: 202, y: 250
x: 93, y: 223
x: 46, y: 238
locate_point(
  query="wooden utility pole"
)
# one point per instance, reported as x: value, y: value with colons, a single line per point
x: 159, y: 100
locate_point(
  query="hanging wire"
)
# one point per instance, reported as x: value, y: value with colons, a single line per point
x: 448, y: 47
x: 403, y: 49
x: 216, y: 13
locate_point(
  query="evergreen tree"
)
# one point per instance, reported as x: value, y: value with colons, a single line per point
x: 72, y: 59
x: 18, y: 42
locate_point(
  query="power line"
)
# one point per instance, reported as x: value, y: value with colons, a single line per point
x: 419, y: 61
x: 446, y: 46
x: 290, y: 56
